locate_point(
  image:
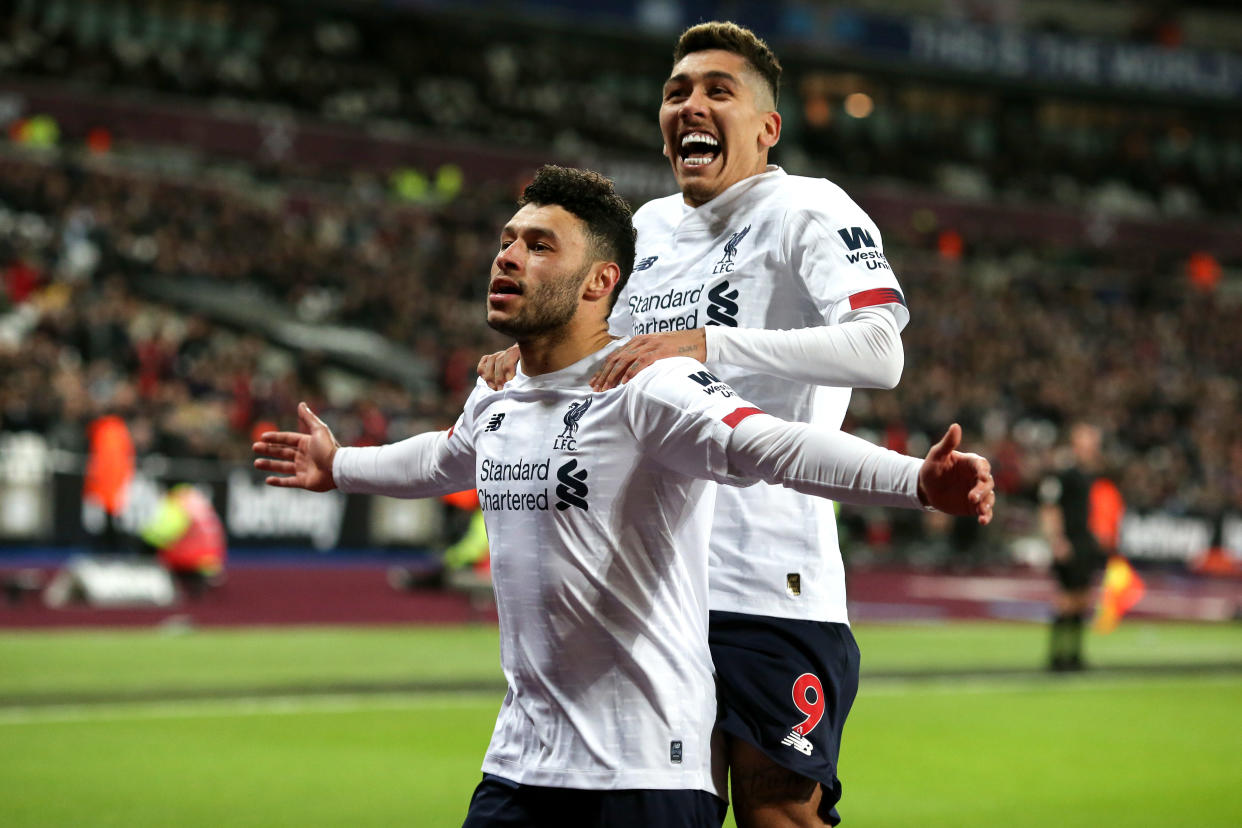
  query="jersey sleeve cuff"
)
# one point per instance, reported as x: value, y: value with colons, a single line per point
x: 340, y: 476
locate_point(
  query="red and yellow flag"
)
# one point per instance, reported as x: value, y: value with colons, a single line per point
x: 1122, y: 589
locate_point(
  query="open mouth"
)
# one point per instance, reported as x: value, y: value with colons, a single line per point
x: 500, y: 290
x: 504, y: 287
x: 698, y: 149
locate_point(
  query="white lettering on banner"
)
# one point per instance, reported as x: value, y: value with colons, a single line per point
x: 1231, y: 535
x: 1163, y: 69
x: 1076, y: 59
x: 1164, y: 537
x: 256, y: 510
x: 1001, y: 51
x: 24, y: 458
x: 106, y: 583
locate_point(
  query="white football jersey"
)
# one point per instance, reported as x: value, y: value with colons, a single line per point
x: 776, y: 252
x: 598, y: 509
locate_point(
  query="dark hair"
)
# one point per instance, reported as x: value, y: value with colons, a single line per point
x: 736, y: 39
x: 591, y: 197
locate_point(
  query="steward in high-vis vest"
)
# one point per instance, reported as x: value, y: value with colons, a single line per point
x: 188, y: 537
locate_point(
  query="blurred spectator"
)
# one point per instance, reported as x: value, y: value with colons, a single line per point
x: 1107, y: 334
x: 592, y: 92
x: 1070, y: 337
x: 108, y: 473
x: 188, y: 538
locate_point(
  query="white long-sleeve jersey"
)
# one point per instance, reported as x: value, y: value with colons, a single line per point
x: 789, y: 277
x: 598, y: 509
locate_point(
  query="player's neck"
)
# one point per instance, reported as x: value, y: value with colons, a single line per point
x: 545, y: 353
x: 692, y: 199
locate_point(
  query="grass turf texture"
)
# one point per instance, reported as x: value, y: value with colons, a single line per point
x: 1096, y: 750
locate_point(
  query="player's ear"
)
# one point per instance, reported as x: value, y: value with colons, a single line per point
x: 771, y: 131
x: 601, y: 281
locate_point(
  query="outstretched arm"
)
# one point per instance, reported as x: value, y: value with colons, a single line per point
x: 842, y: 467
x: 863, y: 352
x: 426, y: 465
x: 299, y: 459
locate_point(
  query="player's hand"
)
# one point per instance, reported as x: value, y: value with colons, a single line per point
x: 956, y: 482
x: 304, y: 458
x: 498, y: 368
x: 635, y: 355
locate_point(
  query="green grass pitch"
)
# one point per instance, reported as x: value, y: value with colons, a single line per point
x: 345, y: 727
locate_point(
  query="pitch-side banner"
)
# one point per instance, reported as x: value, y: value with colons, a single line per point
x: 253, y: 514
x: 1015, y: 54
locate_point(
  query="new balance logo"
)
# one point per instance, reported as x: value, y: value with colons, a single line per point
x: 723, y: 308
x: 855, y: 237
x: 798, y: 743
x: 493, y: 424
x: 644, y: 264
x: 571, y: 488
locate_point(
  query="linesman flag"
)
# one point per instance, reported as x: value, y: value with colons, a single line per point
x: 1122, y: 589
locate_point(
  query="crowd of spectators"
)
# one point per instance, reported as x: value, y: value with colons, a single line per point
x: 80, y: 337
x: 999, y: 340
x: 1017, y: 357
x: 555, y: 89
x: 1014, y: 342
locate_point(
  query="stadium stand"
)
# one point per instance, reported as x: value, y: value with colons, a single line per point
x: 460, y: 76
x: 113, y: 244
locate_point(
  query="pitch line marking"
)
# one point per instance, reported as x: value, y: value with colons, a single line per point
x: 234, y: 707
x: 1035, y: 684
x: 364, y: 702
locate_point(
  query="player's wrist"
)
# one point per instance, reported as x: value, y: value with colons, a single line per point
x: 697, y: 348
x: 921, y: 493
x: 331, y: 465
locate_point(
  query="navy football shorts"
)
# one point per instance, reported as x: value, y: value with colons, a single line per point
x: 1077, y: 572
x: 786, y: 686
x: 501, y: 803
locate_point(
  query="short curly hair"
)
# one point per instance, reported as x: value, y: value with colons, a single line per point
x: 592, y: 198
x: 739, y: 40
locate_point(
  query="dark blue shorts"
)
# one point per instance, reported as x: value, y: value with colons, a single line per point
x: 786, y: 686
x: 501, y: 803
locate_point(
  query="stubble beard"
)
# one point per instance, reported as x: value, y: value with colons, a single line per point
x: 546, y: 309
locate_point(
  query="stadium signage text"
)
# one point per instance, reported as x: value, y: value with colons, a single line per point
x: 1165, y: 537
x: 256, y: 510
x: 1007, y: 53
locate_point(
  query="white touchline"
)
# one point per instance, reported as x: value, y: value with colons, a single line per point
x: 243, y: 706
x: 363, y: 702
x: 979, y: 685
